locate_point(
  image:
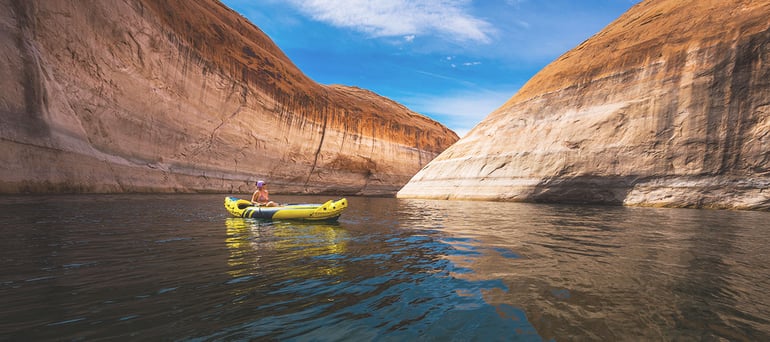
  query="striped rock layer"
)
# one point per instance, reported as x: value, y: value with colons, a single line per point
x: 669, y: 105
x: 177, y: 95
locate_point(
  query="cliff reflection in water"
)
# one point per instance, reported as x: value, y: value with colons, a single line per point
x: 615, y: 273
x: 163, y: 267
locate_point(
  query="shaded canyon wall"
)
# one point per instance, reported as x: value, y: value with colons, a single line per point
x: 159, y: 96
x: 667, y: 106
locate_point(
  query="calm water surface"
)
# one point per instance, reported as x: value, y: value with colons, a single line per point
x: 176, y: 267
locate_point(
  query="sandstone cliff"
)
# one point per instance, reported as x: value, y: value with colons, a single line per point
x: 667, y: 106
x: 178, y: 95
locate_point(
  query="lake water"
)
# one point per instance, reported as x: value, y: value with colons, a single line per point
x: 177, y: 267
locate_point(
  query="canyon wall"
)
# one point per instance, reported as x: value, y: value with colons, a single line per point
x: 667, y: 106
x: 178, y: 95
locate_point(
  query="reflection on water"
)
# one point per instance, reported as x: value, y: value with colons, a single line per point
x: 254, y: 243
x: 618, y: 273
x: 376, y: 281
x: 177, y: 267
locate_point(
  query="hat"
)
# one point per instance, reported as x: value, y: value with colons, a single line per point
x: 260, y: 184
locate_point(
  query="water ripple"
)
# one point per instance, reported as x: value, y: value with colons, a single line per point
x: 165, y: 268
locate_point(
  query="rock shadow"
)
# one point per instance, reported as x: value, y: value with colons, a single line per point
x: 605, y: 190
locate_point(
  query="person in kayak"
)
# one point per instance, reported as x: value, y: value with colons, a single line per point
x: 261, y: 197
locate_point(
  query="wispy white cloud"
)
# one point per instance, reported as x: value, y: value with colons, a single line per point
x: 449, y: 19
x: 448, y: 78
x: 515, y: 3
x: 461, y: 111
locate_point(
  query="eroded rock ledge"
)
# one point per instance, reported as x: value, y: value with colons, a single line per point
x: 667, y: 106
x: 175, y: 95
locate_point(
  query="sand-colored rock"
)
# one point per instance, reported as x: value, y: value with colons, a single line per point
x: 667, y: 106
x: 177, y: 95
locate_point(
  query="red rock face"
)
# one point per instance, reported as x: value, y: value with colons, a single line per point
x: 145, y: 95
x: 667, y: 106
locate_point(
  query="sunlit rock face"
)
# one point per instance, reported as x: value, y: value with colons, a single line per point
x: 177, y: 95
x: 667, y: 106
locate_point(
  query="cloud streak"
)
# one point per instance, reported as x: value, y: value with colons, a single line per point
x: 460, y: 111
x: 446, y: 18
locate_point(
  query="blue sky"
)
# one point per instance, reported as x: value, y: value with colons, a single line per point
x: 452, y: 60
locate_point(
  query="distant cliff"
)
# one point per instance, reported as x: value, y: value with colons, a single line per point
x: 667, y: 106
x: 181, y: 95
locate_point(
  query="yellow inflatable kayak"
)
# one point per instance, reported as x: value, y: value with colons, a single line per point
x: 329, y: 211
